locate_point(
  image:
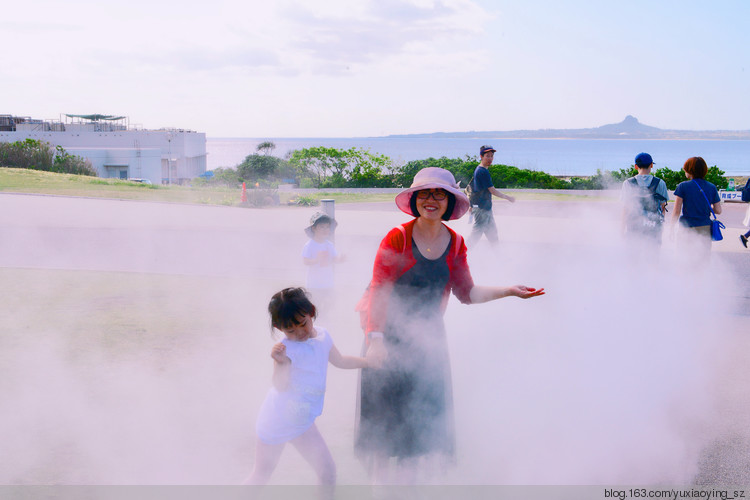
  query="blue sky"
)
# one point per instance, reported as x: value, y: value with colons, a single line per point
x: 341, y: 68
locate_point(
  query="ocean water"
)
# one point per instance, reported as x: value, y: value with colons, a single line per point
x: 554, y: 156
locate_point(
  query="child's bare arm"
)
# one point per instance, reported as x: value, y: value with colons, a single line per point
x: 281, y: 367
x: 347, y: 362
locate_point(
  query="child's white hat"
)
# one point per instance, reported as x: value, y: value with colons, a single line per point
x: 317, y: 218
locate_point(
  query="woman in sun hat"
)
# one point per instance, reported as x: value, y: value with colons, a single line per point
x: 405, y: 409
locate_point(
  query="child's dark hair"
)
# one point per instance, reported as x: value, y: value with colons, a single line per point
x: 288, y: 306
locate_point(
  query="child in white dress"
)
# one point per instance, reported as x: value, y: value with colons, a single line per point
x: 299, y: 380
x: 319, y: 253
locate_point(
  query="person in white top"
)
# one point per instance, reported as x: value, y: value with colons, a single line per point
x: 295, y: 399
x: 319, y: 256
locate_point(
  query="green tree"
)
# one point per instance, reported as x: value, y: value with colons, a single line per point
x: 265, y: 147
x: 461, y: 168
x: 331, y: 167
x: 318, y: 163
x: 367, y: 169
x: 255, y: 167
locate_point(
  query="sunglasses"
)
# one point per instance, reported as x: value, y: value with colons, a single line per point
x: 438, y: 195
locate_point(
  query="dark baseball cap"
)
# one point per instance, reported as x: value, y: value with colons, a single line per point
x: 485, y: 149
x: 643, y: 160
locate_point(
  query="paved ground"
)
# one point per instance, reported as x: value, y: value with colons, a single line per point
x: 570, y: 388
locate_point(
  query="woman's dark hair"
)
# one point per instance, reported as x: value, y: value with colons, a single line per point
x: 696, y: 166
x: 448, y: 209
x: 288, y: 306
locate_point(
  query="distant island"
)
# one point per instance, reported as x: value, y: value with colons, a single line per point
x: 629, y: 128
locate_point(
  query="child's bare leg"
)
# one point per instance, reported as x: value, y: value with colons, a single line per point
x: 266, y: 459
x: 407, y: 471
x: 380, y: 472
x: 313, y: 448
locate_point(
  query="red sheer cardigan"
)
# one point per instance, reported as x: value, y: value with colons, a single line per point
x: 394, y: 258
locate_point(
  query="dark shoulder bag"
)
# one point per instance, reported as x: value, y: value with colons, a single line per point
x: 716, y: 225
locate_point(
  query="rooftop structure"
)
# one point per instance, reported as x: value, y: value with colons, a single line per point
x: 115, y: 148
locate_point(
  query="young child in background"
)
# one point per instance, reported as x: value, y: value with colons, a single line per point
x: 298, y: 387
x: 319, y: 255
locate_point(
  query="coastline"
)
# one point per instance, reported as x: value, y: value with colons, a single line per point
x: 563, y: 157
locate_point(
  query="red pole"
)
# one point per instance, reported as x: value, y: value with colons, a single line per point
x: 243, y: 197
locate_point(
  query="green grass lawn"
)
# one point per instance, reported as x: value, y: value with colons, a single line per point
x: 38, y: 182
x: 16, y: 180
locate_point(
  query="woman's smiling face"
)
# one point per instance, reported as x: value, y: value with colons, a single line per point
x: 432, y: 203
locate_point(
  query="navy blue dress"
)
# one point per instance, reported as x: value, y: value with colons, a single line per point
x: 406, y: 407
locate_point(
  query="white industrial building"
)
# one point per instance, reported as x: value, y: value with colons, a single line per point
x: 114, y: 148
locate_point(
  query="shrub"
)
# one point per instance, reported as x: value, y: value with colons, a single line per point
x: 716, y: 176
x: 222, y: 177
x: 670, y: 177
x: 306, y: 201
x: 623, y: 173
x: 71, y: 164
x: 462, y: 169
x: 259, y: 197
x: 40, y: 155
x: 504, y: 176
x: 31, y: 154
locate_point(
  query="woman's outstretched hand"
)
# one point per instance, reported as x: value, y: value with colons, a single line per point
x: 525, y: 292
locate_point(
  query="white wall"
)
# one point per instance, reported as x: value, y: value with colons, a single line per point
x: 141, y: 163
x: 186, y: 149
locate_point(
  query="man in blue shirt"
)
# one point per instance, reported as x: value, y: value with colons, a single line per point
x: 481, y: 199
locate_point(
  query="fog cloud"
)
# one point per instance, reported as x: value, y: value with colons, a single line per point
x: 142, y: 356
